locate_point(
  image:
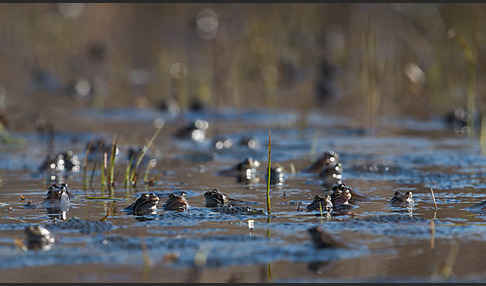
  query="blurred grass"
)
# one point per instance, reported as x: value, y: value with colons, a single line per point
x: 269, y: 51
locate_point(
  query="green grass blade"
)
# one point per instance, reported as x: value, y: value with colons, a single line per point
x: 93, y: 173
x: 112, y: 162
x: 127, y: 173
x: 269, y: 164
x: 85, y: 166
x: 102, y: 170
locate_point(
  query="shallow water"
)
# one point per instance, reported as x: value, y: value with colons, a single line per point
x: 103, y: 243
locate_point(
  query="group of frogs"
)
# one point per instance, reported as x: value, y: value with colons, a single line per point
x: 338, y: 198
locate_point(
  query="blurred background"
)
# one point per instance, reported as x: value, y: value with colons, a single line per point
x: 359, y: 60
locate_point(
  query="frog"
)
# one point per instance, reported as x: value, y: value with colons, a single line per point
x: 318, y: 202
x: 38, y: 237
x: 63, y: 161
x: 277, y: 175
x: 341, y: 196
x: 169, y: 105
x: 248, y: 177
x: 144, y: 205
x: 177, y: 202
x: 247, y: 163
x: 57, y: 201
x: 355, y: 195
x: 220, y: 202
x: 332, y: 176
x: 331, y: 204
x: 245, y: 171
x: 215, y: 198
x: 249, y: 142
x: 402, y: 199
x: 58, y: 197
x: 459, y: 118
x: 327, y: 159
x: 195, y: 131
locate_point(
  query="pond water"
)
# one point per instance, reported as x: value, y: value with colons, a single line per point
x: 387, y: 243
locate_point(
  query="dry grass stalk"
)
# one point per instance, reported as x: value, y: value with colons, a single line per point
x: 433, y: 198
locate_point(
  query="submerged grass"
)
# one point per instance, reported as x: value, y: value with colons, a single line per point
x: 127, y: 173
